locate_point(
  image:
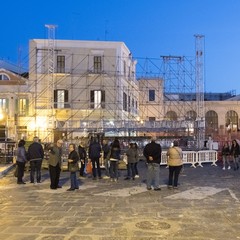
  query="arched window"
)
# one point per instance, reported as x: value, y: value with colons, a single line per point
x: 191, y: 115
x: 231, y: 120
x: 171, y: 116
x: 211, y: 120
x: 4, y: 77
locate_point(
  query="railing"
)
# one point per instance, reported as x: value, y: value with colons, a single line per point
x: 195, y: 157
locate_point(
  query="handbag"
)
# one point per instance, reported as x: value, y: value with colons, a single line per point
x: 73, y: 167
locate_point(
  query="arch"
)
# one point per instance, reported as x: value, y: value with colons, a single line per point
x: 211, y: 120
x: 4, y: 76
x: 171, y: 115
x: 231, y: 121
x: 191, y: 115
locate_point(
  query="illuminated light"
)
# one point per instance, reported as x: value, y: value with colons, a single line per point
x: 1, y: 116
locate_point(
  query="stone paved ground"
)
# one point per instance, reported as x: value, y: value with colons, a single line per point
x: 206, y: 206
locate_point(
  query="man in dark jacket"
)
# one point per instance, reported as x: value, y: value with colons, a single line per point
x: 94, y: 155
x: 152, y: 152
x: 35, y: 156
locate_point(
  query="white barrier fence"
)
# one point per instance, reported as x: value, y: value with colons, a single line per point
x: 195, y: 157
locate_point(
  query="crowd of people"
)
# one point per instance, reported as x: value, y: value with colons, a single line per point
x: 79, y: 157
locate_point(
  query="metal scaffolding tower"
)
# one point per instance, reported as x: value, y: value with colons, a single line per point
x: 50, y: 73
x: 199, y: 50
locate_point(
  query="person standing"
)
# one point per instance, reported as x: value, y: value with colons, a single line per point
x: 152, y: 152
x: 225, y: 155
x: 132, y: 158
x: 21, y: 161
x: 175, y: 164
x: 35, y: 156
x: 235, y: 153
x: 114, y: 157
x: 73, y: 159
x: 94, y: 155
x: 55, y: 161
x: 82, y: 155
x: 106, y: 149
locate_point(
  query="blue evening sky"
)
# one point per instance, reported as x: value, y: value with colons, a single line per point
x: 149, y: 28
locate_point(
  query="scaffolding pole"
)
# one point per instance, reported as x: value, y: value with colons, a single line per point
x: 200, y: 121
x: 51, y: 65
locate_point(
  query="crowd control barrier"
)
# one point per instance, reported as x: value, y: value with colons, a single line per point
x: 195, y: 157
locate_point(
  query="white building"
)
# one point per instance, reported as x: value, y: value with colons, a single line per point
x: 79, y: 87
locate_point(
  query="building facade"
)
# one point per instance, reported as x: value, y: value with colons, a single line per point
x: 79, y: 87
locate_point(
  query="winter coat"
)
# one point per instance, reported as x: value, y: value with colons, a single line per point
x: 21, y: 154
x: 225, y: 151
x: 94, y: 150
x: 35, y: 151
x: 174, y: 156
x: 106, y: 149
x: 55, y: 156
x: 154, y: 150
x: 132, y: 155
x: 115, y: 154
x: 235, y: 150
x: 82, y: 152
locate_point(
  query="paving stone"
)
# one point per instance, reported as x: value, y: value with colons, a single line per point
x: 206, y: 206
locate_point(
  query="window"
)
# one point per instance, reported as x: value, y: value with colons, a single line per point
x: 97, y: 99
x: 61, y: 99
x: 124, y: 101
x: 171, y: 116
x: 231, y: 120
x: 60, y: 64
x: 151, y: 119
x: 191, y: 115
x: 97, y: 64
x: 211, y: 120
x: 3, y: 104
x: 151, y: 95
x: 4, y: 77
x: 22, y: 106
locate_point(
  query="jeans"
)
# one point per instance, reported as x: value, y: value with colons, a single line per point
x: 21, y: 166
x: 235, y: 161
x: 74, y: 181
x: 36, y: 166
x: 153, y: 170
x: 114, y: 169
x: 131, y: 170
x: 82, y: 168
x: 136, y: 169
x: 94, y: 162
x: 225, y: 159
x: 106, y: 164
x: 174, y: 172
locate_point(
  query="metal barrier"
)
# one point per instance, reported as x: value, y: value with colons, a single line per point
x: 195, y: 157
x: 206, y: 157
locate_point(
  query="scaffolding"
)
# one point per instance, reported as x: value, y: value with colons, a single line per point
x: 125, y: 82
x: 199, y: 45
